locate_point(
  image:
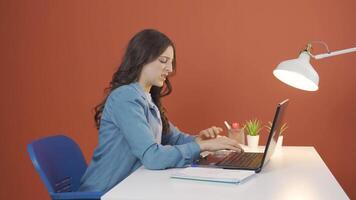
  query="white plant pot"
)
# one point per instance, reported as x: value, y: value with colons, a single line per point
x: 279, y: 142
x: 252, y: 141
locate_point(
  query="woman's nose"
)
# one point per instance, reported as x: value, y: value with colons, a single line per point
x: 169, y: 68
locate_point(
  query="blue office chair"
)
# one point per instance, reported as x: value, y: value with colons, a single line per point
x: 61, y: 164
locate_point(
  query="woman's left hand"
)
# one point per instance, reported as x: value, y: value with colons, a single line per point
x: 209, y: 133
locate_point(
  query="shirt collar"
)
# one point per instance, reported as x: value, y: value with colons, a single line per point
x: 140, y: 89
x: 142, y: 92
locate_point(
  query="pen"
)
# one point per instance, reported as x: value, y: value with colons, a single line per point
x: 227, y: 125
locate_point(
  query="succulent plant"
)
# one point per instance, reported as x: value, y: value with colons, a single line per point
x: 253, y: 127
x: 281, y: 130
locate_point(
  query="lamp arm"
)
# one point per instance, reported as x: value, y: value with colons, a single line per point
x: 334, y: 53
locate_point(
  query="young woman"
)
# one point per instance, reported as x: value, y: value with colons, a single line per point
x: 133, y: 127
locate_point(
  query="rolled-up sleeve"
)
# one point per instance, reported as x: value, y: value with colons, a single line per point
x: 128, y: 113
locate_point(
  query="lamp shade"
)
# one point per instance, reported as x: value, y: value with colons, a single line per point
x: 298, y: 73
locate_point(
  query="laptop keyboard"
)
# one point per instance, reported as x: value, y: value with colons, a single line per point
x: 240, y: 159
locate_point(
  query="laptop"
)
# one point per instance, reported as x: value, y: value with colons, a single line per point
x: 248, y: 160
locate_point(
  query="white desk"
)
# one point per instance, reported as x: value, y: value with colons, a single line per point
x: 292, y: 173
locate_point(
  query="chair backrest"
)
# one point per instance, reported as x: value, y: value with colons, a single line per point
x: 59, y: 161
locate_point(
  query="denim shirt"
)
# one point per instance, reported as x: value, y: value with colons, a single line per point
x: 130, y: 135
x: 156, y: 127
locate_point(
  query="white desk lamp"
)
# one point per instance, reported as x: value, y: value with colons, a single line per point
x: 299, y: 73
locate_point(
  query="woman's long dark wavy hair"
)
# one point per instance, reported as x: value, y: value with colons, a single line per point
x: 143, y: 48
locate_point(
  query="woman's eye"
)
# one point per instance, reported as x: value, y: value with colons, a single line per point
x: 163, y: 60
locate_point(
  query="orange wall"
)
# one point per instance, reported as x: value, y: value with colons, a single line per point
x: 58, y: 56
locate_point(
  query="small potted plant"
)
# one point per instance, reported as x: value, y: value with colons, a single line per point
x: 280, y: 132
x: 253, y: 129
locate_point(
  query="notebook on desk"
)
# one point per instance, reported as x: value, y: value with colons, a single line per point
x: 248, y: 160
x: 213, y: 174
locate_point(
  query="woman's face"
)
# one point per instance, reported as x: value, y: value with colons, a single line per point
x: 155, y: 72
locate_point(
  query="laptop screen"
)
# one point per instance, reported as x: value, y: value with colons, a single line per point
x: 277, y: 123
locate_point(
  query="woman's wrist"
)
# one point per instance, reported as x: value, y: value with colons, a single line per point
x: 201, y: 144
x: 197, y: 138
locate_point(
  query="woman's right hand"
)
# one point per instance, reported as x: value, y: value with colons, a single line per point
x: 219, y: 143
